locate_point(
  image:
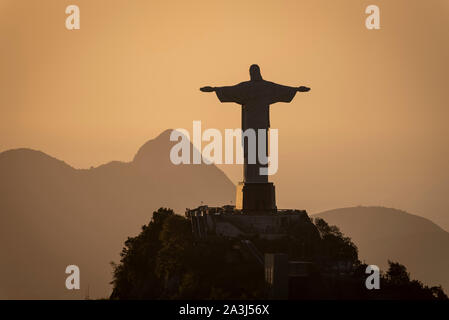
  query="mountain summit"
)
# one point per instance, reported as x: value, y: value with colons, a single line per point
x: 383, y: 234
x: 52, y: 215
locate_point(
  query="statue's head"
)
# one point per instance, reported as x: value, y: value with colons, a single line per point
x: 254, y: 72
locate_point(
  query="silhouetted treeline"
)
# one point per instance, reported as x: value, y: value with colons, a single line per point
x: 165, y: 262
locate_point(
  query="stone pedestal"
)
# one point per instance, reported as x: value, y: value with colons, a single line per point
x: 255, y: 197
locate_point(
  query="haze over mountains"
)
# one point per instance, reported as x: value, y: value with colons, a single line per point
x: 383, y: 234
x: 373, y: 129
x: 52, y: 215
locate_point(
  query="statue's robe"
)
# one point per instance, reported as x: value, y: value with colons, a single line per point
x: 255, y: 96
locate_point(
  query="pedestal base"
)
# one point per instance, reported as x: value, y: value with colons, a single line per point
x: 255, y: 197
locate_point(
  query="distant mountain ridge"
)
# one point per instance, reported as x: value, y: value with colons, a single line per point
x: 383, y: 234
x: 52, y: 215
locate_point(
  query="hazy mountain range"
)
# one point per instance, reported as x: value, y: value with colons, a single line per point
x: 52, y: 215
x: 383, y: 234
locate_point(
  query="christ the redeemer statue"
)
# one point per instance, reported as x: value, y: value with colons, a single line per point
x: 255, y: 96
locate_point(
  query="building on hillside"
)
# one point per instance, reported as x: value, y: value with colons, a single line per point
x: 228, y: 222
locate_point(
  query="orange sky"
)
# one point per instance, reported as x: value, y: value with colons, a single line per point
x: 372, y: 131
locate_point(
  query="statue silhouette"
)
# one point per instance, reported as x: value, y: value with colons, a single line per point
x: 255, y: 96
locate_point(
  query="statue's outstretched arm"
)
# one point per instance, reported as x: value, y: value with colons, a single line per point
x: 207, y: 89
x: 228, y: 93
x: 303, y: 89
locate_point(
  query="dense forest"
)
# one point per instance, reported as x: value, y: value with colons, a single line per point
x: 165, y: 262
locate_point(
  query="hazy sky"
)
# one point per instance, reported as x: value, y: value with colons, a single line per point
x: 372, y: 131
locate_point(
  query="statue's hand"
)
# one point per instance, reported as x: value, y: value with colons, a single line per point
x: 303, y: 89
x: 207, y: 89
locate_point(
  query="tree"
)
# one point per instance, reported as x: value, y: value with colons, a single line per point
x: 164, y: 262
x: 334, y: 244
x: 396, y: 284
x: 134, y: 276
